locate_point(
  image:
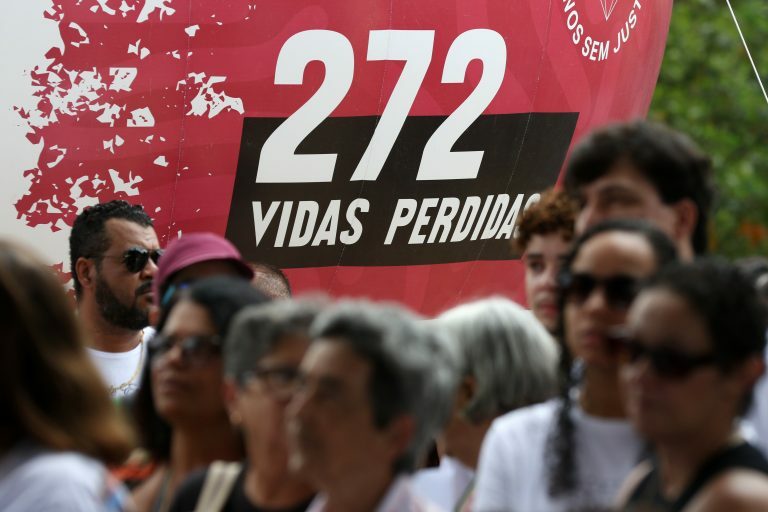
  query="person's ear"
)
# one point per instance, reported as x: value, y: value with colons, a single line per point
x: 686, y: 218
x: 400, y: 433
x: 85, y: 270
x: 465, y: 393
x: 229, y: 393
x: 751, y: 371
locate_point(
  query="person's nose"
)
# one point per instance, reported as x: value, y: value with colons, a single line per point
x: 588, y: 216
x: 549, y: 279
x: 149, y: 270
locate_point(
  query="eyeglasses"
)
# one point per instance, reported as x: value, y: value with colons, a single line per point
x: 195, y: 350
x: 136, y: 258
x: 667, y: 362
x: 280, y: 380
x: 619, y: 290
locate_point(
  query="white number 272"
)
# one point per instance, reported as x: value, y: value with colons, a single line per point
x: 279, y: 162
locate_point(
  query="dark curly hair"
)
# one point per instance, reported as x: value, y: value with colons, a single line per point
x: 561, y: 462
x: 89, y: 239
x: 553, y: 213
x: 668, y: 159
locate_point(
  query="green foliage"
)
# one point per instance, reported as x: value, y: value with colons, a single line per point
x: 708, y: 89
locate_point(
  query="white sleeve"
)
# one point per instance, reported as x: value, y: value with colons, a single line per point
x: 494, y: 474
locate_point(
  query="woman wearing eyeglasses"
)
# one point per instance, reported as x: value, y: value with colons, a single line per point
x: 693, y: 351
x: 572, y: 453
x: 179, y: 407
x: 263, y: 351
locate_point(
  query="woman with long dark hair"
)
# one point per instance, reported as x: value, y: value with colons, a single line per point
x: 572, y: 453
x: 179, y: 407
x: 58, y: 426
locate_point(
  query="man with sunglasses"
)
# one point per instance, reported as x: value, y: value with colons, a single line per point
x: 114, y: 253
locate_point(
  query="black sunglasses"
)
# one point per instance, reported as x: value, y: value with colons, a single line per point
x: 195, y: 350
x: 136, y: 258
x: 619, y: 290
x: 666, y: 361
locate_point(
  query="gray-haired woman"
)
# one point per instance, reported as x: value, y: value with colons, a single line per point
x: 262, y: 353
x: 508, y: 360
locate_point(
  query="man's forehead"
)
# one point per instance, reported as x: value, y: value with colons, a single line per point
x: 620, y: 178
x: 332, y: 359
x: 123, y: 234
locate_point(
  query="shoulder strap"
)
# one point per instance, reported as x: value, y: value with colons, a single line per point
x: 742, y: 455
x: 218, y: 485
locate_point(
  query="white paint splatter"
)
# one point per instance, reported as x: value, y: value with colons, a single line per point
x: 161, y: 161
x: 104, y: 7
x: 209, y: 101
x: 83, y: 36
x: 137, y: 49
x: 122, y: 78
x: 129, y: 187
x: 151, y: 6
x: 141, y: 118
x: 110, y: 144
x: 62, y: 153
x: 192, y: 30
x: 125, y: 8
x: 110, y: 112
x: 79, y: 200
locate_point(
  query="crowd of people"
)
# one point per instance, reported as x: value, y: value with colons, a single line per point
x: 188, y: 379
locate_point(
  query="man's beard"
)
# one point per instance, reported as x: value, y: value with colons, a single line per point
x: 115, y: 312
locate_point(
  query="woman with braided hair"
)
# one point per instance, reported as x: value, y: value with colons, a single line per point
x: 572, y: 453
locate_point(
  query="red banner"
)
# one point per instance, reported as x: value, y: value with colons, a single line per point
x: 371, y: 148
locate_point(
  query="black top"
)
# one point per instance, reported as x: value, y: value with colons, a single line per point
x: 647, y: 496
x: 189, y: 492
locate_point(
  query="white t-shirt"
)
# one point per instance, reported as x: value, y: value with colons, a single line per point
x: 39, y: 480
x: 398, y: 498
x: 122, y: 370
x: 513, y: 474
x: 444, y: 485
x: 757, y: 417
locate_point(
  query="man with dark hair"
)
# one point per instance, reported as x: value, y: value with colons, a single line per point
x: 270, y: 280
x: 373, y: 388
x: 113, y: 253
x: 643, y: 170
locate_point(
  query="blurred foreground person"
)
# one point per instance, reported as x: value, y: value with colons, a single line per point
x: 507, y: 360
x: 544, y: 237
x: 374, y: 388
x: 180, y: 407
x: 693, y: 351
x: 572, y: 454
x: 263, y: 351
x: 58, y: 423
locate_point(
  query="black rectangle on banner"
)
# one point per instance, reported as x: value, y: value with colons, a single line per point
x: 395, y: 219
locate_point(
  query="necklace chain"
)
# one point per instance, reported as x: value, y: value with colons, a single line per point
x: 114, y: 390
